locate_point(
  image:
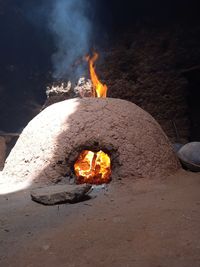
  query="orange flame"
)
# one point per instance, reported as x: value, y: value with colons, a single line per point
x: 93, y: 167
x: 99, y: 89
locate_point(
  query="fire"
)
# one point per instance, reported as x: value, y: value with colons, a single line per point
x: 99, y: 89
x: 93, y: 167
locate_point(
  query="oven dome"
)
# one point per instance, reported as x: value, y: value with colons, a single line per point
x: 50, y: 144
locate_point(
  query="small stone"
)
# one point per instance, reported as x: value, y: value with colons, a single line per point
x: 57, y: 194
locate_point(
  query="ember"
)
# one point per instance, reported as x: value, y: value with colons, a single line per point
x: 93, y: 167
x: 99, y: 89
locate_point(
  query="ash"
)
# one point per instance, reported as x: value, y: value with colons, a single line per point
x: 84, y: 88
x: 97, y: 188
x: 54, y: 90
x: 61, y: 91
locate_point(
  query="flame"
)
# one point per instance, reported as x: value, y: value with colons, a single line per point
x: 99, y: 89
x: 93, y: 167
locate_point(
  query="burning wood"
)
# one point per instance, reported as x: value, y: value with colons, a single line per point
x: 84, y: 88
x: 93, y: 168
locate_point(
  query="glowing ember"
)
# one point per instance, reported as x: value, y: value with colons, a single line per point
x: 93, y: 167
x: 99, y: 89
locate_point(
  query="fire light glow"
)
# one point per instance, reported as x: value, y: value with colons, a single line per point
x: 99, y: 89
x: 93, y: 167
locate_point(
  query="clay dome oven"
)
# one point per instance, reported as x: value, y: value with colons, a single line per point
x: 51, y: 143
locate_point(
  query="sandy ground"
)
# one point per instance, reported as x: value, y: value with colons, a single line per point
x: 139, y: 223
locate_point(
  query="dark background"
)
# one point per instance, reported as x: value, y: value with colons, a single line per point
x: 27, y: 44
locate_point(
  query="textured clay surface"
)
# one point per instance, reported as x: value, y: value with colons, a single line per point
x: 52, y: 141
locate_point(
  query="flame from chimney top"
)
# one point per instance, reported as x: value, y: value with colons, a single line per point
x: 99, y: 89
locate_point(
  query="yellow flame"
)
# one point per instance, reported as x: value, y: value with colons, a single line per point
x: 100, y: 90
x: 93, y: 167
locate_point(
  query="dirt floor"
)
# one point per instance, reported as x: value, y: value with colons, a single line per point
x: 144, y: 223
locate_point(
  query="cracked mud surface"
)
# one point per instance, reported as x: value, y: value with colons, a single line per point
x: 52, y: 141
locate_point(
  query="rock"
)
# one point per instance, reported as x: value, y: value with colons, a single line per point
x: 189, y: 155
x: 57, y: 194
x: 177, y: 147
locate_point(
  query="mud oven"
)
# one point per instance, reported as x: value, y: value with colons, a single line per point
x: 53, y: 141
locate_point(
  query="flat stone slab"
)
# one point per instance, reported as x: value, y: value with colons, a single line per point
x: 57, y: 194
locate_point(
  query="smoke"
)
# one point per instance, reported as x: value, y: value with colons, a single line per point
x: 71, y: 30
